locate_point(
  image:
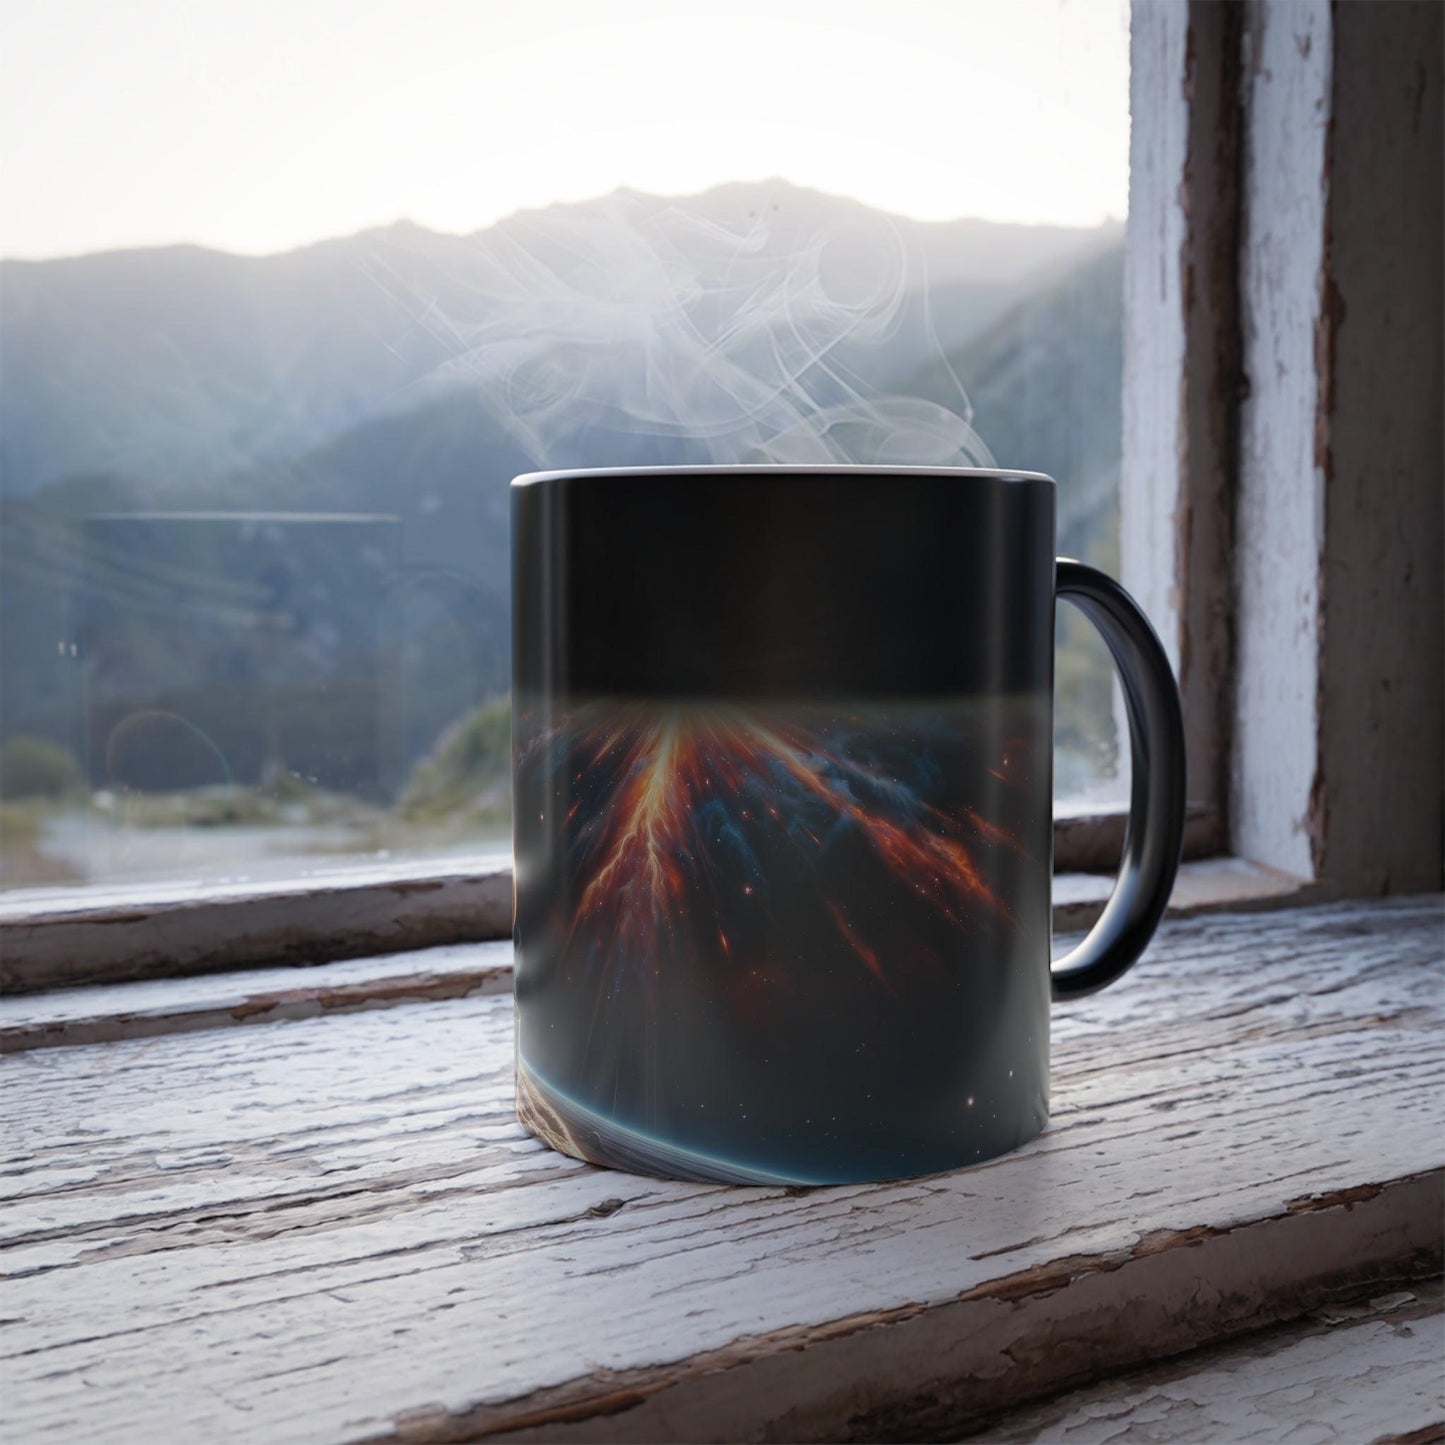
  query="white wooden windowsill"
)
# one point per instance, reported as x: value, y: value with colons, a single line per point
x: 331, y: 1228
x: 66, y: 937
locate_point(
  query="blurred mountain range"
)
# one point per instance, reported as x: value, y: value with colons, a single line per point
x: 407, y: 375
x: 178, y: 363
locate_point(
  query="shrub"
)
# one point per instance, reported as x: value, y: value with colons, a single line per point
x: 32, y: 767
x: 470, y: 760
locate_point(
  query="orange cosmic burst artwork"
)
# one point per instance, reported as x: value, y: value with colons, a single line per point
x: 668, y: 813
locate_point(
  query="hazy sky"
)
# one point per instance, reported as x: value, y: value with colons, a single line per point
x: 254, y: 125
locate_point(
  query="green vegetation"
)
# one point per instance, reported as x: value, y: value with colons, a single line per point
x: 284, y: 801
x: 24, y: 863
x: 467, y: 771
x: 32, y: 767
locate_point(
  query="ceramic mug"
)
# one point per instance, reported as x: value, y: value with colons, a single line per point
x: 783, y: 817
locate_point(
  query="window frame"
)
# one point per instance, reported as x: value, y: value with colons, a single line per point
x: 1198, y: 182
x: 58, y: 935
x: 1184, y: 367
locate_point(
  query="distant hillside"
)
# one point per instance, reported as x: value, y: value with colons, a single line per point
x: 408, y: 376
x: 178, y: 362
x: 173, y: 364
x: 441, y: 471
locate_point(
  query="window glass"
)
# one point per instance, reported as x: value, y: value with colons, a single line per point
x: 256, y: 431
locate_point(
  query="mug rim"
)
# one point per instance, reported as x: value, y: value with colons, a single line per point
x: 784, y: 469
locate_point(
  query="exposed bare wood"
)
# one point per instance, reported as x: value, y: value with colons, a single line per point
x: 106, y: 1012
x: 1367, y: 1371
x: 1339, y: 766
x: 1154, y: 339
x: 1206, y: 886
x: 1304, y: 140
x: 1210, y: 382
x: 1377, y: 804
x: 1094, y: 842
x: 1182, y: 364
x: 1282, y: 486
x: 63, y: 937
x: 333, y: 1229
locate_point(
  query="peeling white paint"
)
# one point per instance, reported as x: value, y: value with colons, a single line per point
x: 1372, y: 1380
x: 1280, y: 518
x: 334, y: 1230
x: 1150, y: 484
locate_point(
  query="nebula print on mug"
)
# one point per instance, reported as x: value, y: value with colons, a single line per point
x: 762, y: 932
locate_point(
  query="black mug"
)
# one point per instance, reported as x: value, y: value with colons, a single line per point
x: 782, y: 765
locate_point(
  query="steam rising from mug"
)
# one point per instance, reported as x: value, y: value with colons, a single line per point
x: 695, y: 341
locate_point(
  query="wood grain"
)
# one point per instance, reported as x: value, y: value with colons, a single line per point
x: 333, y: 1229
x: 60, y: 938
x: 1370, y: 1372
x: 103, y: 1013
x: 1281, y: 513
x: 70, y: 938
x: 106, y: 1013
x: 1182, y: 367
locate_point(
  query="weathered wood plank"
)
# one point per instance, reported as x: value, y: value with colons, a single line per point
x: 1369, y: 1373
x: 1207, y: 885
x: 103, y: 1013
x: 1338, y: 761
x: 1182, y: 364
x: 1093, y: 841
x: 333, y: 1229
x: 57, y: 938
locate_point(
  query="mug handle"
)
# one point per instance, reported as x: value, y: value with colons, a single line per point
x: 1155, y: 832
